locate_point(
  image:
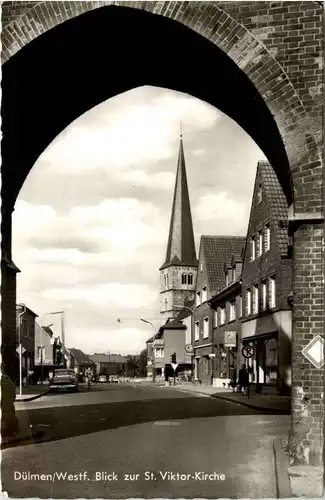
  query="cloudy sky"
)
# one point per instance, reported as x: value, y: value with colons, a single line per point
x: 91, y: 222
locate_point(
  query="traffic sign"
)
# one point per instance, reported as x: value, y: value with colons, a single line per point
x: 22, y: 349
x: 248, y: 351
x: 314, y: 351
x: 174, y: 365
x: 189, y: 349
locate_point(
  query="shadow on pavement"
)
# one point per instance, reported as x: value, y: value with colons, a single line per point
x: 69, y: 421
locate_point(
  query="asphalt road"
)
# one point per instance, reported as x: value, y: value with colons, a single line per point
x: 134, y: 436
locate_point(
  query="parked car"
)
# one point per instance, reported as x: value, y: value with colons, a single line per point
x: 102, y: 378
x: 63, y: 378
x: 113, y: 379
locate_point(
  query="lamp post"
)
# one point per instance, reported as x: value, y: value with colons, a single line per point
x: 20, y: 349
x: 62, y: 333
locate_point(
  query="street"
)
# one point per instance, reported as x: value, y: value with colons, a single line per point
x: 122, y: 440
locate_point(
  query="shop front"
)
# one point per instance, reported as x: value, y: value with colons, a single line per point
x: 225, y: 362
x: 263, y: 361
x: 203, y: 364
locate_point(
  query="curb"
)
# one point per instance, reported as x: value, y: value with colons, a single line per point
x: 283, y: 488
x: 18, y: 439
x: 32, y: 397
x: 254, y: 407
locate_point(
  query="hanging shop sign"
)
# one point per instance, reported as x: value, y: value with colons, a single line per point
x: 230, y: 339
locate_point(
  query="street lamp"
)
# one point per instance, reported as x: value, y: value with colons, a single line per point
x: 153, y: 351
x: 23, y: 306
x: 62, y: 335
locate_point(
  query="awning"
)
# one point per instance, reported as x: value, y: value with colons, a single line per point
x: 261, y: 336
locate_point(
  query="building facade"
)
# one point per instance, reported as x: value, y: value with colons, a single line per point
x: 48, y: 352
x: 227, y: 308
x: 25, y: 321
x: 178, y: 273
x: 266, y: 285
x: 109, y: 364
x: 214, y: 252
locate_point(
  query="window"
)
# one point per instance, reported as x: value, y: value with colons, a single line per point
x: 232, y: 314
x: 222, y: 315
x: 204, y: 294
x: 263, y: 295
x: 259, y: 193
x: 272, y: 297
x: 184, y: 279
x: 206, y: 328
x: 41, y: 353
x: 190, y: 279
x: 253, y: 250
x: 159, y: 352
x: 267, y: 237
x: 198, y: 299
x: 197, y: 331
x: 166, y: 304
x: 234, y: 273
x: 260, y: 243
x: 227, y: 278
x: 240, y: 306
x: 215, y: 318
x: 255, y: 299
x: 201, y: 267
x: 248, y: 302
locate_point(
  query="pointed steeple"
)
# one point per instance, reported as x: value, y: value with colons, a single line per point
x: 181, y: 246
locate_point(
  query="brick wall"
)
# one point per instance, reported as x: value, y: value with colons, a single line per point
x: 308, y: 320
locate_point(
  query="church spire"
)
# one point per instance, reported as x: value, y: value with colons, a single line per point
x: 181, y: 246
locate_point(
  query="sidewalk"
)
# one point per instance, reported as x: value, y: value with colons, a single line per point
x: 267, y: 402
x: 31, y: 392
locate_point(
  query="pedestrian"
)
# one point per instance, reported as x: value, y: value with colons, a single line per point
x: 243, y: 378
x: 89, y: 376
x: 30, y: 376
x: 233, y: 380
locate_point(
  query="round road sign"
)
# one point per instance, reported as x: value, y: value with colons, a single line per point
x: 248, y: 351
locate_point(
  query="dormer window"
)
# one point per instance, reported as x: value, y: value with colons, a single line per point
x: 227, y: 278
x: 184, y: 279
x: 259, y: 193
x: 234, y: 273
x: 201, y: 267
x: 260, y: 243
x: 198, y: 299
x: 190, y: 279
x: 267, y: 237
x: 204, y: 294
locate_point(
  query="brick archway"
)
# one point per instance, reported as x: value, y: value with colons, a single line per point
x: 277, y: 48
x: 277, y: 45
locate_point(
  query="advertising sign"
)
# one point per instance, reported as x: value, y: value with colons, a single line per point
x: 230, y: 339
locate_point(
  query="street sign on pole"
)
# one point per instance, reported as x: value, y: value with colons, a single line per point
x: 22, y: 349
x: 174, y: 365
x: 314, y: 351
x: 248, y: 351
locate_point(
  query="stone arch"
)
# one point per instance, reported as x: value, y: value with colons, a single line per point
x: 246, y: 43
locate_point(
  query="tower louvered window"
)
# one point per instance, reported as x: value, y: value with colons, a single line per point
x: 184, y: 279
x: 190, y: 279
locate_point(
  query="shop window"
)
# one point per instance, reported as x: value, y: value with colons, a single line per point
x: 271, y: 361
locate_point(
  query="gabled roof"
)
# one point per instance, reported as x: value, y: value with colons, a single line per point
x: 80, y: 356
x: 108, y: 358
x: 217, y: 250
x: 181, y: 246
x: 277, y: 203
x: 173, y: 325
x: 187, y: 311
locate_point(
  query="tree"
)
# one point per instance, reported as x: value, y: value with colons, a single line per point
x: 132, y: 364
x: 143, y: 363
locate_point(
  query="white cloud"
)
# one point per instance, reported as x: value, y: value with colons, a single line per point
x: 160, y: 180
x: 198, y: 152
x: 228, y: 215
x: 130, y: 136
x: 109, y: 296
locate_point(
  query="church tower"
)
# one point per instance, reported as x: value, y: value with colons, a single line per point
x: 178, y: 273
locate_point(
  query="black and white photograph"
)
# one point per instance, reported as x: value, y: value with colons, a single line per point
x: 162, y: 249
